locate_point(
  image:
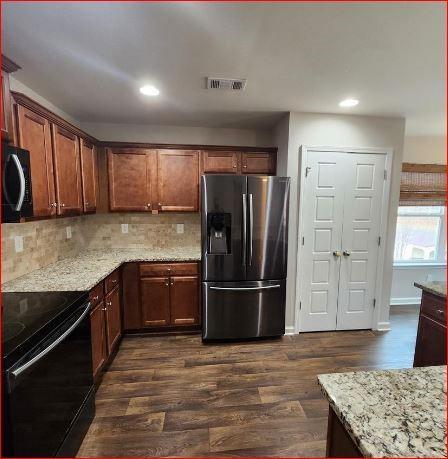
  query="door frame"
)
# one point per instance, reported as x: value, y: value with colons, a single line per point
x: 306, y: 150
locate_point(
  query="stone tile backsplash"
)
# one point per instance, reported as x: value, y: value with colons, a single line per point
x: 45, y: 241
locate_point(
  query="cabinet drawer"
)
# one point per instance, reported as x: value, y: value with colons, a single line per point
x: 96, y: 294
x: 112, y: 281
x: 168, y: 269
x: 434, y: 307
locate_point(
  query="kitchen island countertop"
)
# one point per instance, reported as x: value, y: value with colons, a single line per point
x: 84, y: 271
x: 437, y: 288
x: 391, y: 413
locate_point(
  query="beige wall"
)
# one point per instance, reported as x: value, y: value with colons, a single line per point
x: 341, y: 131
x: 424, y: 149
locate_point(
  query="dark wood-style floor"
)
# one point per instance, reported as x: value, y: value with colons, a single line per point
x: 174, y: 396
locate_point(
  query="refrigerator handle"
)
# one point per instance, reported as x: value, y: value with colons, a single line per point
x: 244, y: 229
x: 251, y: 227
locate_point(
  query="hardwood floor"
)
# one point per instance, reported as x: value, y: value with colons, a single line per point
x: 174, y: 396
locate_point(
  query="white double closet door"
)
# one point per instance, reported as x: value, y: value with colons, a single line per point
x: 342, y: 212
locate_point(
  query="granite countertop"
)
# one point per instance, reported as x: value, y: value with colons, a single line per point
x: 435, y: 287
x: 392, y: 413
x: 84, y: 271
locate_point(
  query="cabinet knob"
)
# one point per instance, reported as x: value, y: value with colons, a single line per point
x: 166, y: 283
x: 62, y: 205
x: 109, y: 303
x: 87, y: 203
x: 172, y: 282
x: 234, y: 166
x: 440, y: 311
x: 114, y: 281
x: 95, y: 298
x: 104, y: 309
x: 148, y: 205
x: 245, y: 167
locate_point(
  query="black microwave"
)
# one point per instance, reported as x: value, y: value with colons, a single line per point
x: 17, y: 197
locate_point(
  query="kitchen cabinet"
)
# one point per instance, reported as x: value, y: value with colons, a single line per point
x: 339, y: 442
x: 98, y: 331
x: 113, y: 318
x: 220, y: 162
x: 131, y: 179
x: 169, y: 294
x: 260, y: 163
x: 130, y: 287
x: 7, y: 119
x: 33, y: 134
x: 430, y: 346
x: 88, y: 175
x: 67, y: 171
x: 178, y: 180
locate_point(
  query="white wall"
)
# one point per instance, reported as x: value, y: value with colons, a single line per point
x: 281, y: 141
x: 339, y: 131
x: 179, y: 134
x: 424, y: 149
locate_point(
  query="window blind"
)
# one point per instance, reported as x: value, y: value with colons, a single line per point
x: 423, y: 185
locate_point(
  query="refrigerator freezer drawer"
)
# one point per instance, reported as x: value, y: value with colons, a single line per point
x: 237, y: 310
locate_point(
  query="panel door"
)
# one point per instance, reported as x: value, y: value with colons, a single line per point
x: 131, y: 179
x: 67, y: 171
x: 267, y: 245
x: 178, y: 180
x: 364, y: 183
x: 98, y: 331
x: 260, y: 163
x: 220, y: 162
x: 88, y: 175
x: 34, y: 135
x: 113, y: 318
x: 155, y: 301
x: 184, y: 300
x: 323, y: 210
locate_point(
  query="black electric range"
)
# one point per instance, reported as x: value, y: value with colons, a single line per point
x: 48, y: 400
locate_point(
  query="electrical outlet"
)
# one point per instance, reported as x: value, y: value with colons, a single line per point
x: 124, y: 228
x: 68, y: 230
x: 18, y: 243
x: 179, y: 228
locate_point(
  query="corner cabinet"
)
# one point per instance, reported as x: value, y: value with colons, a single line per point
x: 238, y: 162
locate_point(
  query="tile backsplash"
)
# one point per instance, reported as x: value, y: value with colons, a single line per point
x: 47, y: 241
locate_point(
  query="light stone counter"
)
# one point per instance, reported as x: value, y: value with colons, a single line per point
x: 437, y: 288
x: 84, y: 271
x: 391, y: 413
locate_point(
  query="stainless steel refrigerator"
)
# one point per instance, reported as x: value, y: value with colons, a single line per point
x: 244, y: 255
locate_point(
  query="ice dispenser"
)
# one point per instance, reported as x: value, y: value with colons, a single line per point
x: 218, y: 233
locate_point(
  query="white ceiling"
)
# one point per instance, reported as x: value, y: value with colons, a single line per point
x: 90, y: 58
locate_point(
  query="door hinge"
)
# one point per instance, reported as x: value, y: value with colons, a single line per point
x: 303, y: 241
x: 379, y: 240
x: 385, y: 174
x: 300, y: 306
x: 374, y: 302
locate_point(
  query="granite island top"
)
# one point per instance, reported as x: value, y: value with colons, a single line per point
x: 391, y: 413
x: 435, y: 287
x: 83, y: 272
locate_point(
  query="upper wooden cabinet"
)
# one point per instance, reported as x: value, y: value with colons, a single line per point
x: 88, y: 175
x: 131, y: 176
x: 33, y: 134
x: 7, y: 125
x: 220, y: 162
x: 260, y: 163
x: 178, y: 180
x: 67, y: 171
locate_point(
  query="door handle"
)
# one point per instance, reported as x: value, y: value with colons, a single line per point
x: 336, y: 253
x: 346, y: 254
x: 243, y: 289
x: 244, y: 249
x: 251, y: 227
x: 18, y: 205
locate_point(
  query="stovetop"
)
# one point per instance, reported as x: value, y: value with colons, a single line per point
x: 29, y: 317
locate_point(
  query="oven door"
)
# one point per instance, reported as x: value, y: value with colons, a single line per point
x: 47, y: 388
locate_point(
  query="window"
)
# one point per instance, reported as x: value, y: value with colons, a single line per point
x: 421, y: 235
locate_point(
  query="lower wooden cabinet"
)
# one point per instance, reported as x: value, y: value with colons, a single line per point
x: 430, y: 346
x: 113, y: 318
x: 98, y: 330
x: 155, y: 297
x: 184, y: 300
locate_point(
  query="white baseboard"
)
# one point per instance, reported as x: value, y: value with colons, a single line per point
x: 289, y: 330
x: 383, y: 326
x: 405, y: 301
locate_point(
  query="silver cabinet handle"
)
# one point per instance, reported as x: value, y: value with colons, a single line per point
x: 251, y: 227
x: 95, y: 298
x: 244, y: 229
x: 241, y: 289
x: 36, y: 358
x: 346, y: 254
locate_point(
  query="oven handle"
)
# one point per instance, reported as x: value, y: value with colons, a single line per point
x: 36, y: 358
x: 237, y: 289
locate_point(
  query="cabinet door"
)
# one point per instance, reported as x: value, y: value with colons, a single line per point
x: 155, y: 301
x: 98, y: 331
x: 88, y: 175
x: 113, y: 318
x: 130, y: 285
x: 220, y: 162
x: 258, y: 163
x: 178, y: 180
x: 34, y: 135
x: 430, y: 347
x: 131, y: 176
x: 6, y: 108
x: 184, y: 300
x: 67, y: 171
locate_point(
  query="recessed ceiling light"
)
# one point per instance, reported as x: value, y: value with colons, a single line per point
x: 348, y: 103
x: 149, y: 90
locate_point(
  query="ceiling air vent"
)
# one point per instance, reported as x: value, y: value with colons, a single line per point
x: 234, y: 84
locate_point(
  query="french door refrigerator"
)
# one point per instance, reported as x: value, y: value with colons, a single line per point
x: 244, y: 255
